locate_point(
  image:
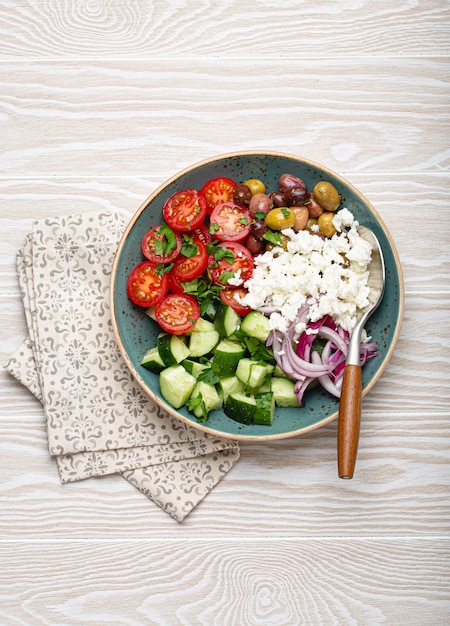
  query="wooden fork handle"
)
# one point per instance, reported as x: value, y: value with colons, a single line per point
x: 349, y: 420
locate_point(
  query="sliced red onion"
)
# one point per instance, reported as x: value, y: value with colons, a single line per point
x: 324, y: 380
x: 334, y: 336
x: 303, y: 365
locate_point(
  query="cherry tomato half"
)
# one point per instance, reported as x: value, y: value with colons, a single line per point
x: 161, y: 244
x: 175, y: 285
x: 229, y: 296
x: 145, y: 287
x: 230, y: 222
x: 217, y: 190
x: 201, y: 233
x: 225, y: 268
x: 177, y: 313
x: 185, y: 210
x: 188, y: 268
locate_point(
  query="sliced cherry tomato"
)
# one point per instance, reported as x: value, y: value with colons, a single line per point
x: 218, y: 190
x: 185, y: 210
x: 188, y: 268
x: 230, y: 222
x: 145, y: 287
x: 161, y: 244
x: 177, y: 313
x: 201, y: 233
x: 239, y: 265
x: 175, y: 285
x: 230, y: 295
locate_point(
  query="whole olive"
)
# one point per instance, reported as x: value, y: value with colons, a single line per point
x: 280, y: 218
x: 314, y: 207
x: 326, y: 225
x: 278, y: 198
x: 297, y: 196
x: 255, y: 185
x: 258, y: 228
x: 287, y: 182
x: 284, y: 243
x: 260, y: 203
x: 242, y: 194
x: 327, y: 195
x: 255, y: 246
x: 301, y: 217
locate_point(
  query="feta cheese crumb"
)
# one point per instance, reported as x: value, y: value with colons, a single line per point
x: 328, y: 275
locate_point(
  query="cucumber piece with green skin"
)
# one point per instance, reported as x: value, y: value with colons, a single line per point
x: 201, y: 326
x: 176, y: 385
x: 209, y: 397
x: 252, y: 373
x: 265, y: 387
x: 265, y: 409
x: 152, y: 361
x: 283, y: 390
x: 227, y: 356
x: 240, y: 407
x: 255, y: 324
x: 229, y: 385
x: 203, y: 343
x: 193, y: 367
x: 172, y: 348
x: 227, y: 321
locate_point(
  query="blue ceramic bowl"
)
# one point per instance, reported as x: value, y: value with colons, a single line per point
x: 136, y: 332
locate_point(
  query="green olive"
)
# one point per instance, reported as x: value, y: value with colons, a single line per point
x: 284, y: 242
x: 280, y: 218
x: 326, y: 225
x: 327, y: 196
x: 255, y: 185
x: 312, y: 221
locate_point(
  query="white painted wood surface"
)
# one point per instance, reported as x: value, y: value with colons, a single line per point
x: 100, y: 101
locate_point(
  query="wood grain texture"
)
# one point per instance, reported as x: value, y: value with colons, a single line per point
x: 100, y: 102
x: 109, y: 118
x: 224, y: 583
x: 231, y: 29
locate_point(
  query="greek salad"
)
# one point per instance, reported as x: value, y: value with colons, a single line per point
x: 255, y: 292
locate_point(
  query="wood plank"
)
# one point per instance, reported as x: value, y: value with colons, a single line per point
x: 219, y: 582
x: 229, y: 29
x: 106, y: 118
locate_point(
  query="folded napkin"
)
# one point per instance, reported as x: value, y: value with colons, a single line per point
x: 99, y: 421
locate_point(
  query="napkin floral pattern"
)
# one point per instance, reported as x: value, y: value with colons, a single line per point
x: 99, y: 421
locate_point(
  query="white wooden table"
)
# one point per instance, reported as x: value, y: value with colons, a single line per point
x: 100, y: 102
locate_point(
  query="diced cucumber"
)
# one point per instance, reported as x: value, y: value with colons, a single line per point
x: 209, y: 397
x: 202, y: 326
x: 172, y: 348
x: 227, y: 356
x: 252, y: 373
x: 265, y: 387
x: 193, y: 367
x: 255, y: 324
x: 176, y: 385
x: 229, y: 385
x: 265, y: 408
x: 203, y: 343
x: 226, y: 320
x: 283, y: 391
x: 153, y: 361
x: 151, y: 313
x: 240, y: 407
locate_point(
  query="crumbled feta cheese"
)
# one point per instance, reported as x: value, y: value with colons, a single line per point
x: 328, y: 275
x: 236, y: 280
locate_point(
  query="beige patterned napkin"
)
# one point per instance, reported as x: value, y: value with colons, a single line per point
x: 99, y: 421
